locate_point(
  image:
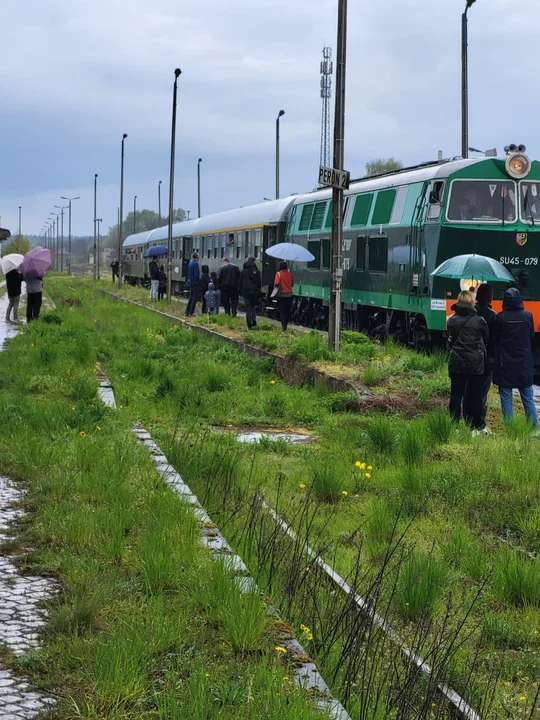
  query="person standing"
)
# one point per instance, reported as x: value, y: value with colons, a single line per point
x: 205, y: 282
x: 34, y: 294
x: 154, y: 279
x: 249, y: 287
x: 115, y: 266
x: 193, y: 283
x: 13, y: 287
x: 484, y: 298
x: 228, y: 279
x: 514, y: 364
x: 162, y: 287
x: 285, y: 281
x: 211, y: 298
x: 468, y: 335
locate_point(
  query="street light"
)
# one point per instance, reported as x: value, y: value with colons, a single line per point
x: 465, y: 81
x: 62, y: 208
x: 280, y: 114
x: 98, y: 221
x: 95, y: 213
x: 56, y: 233
x: 20, y: 217
x: 134, y: 214
x: 70, y: 200
x: 199, y: 187
x: 159, y: 199
x: 177, y: 74
x: 121, y: 214
x: 488, y: 153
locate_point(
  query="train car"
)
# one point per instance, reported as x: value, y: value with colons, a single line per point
x: 235, y: 234
x: 399, y: 227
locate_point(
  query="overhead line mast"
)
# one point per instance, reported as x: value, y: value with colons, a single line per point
x: 327, y: 68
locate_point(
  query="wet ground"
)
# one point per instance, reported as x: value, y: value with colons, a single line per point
x: 257, y: 436
x: 21, y: 597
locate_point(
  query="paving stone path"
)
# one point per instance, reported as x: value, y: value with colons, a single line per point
x: 20, y: 597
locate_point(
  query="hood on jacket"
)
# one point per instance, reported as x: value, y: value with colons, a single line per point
x: 512, y: 299
x: 211, y: 286
x: 249, y: 265
x: 461, y: 308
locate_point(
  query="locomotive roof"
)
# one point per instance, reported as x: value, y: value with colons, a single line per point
x: 264, y: 213
x: 407, y: 176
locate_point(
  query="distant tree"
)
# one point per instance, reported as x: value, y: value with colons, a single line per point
x: 144, y: 220
x: 19, y: 244
x: 381, y: 166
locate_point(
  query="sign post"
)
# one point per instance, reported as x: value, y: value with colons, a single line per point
x: 338, y: 176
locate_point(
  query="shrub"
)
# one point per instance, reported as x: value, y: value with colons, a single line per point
x: 421, y: 584
x: 349, y: 337
x: 381, y: 435
x: 439, y: 426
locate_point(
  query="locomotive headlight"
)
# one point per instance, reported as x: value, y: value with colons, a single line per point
x: 518, y: 165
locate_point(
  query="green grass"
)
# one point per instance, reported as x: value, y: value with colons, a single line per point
x: 432, y: 507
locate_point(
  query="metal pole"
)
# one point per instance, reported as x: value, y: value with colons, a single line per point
x: 134, y: 214
x: 121, y: 214
x: 62, y: 243
x: 280, y: 114
x: 465, y: 81
x: 159, y: 199
x: 95, y: 213
x: 199, y: 187
x: 98, y: 221
x: 20, y: 219
x: 336, y: 264
x: 69, y: 241
x: 177, y: 74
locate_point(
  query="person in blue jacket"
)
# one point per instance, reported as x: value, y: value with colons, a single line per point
x: 514, y: 364
x: 193, y: 282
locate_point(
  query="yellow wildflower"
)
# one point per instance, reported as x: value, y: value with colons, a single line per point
x: 272, y: 382
x: 82, y: 433
x: 308, y: 569
x: 344, y: 492
x: 369, y: 467
x: 206, y: 674
x: 285, y: 678
x: 97, y: 427
x: 358, y: 464
x: 121, y: 406
x: 280, y: 649
x: 302, y: 486
x: 368, y: 475
x: 522, y: 698
x: 73, y: 408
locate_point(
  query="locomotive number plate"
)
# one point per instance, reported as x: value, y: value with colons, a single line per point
x: 518, y: 261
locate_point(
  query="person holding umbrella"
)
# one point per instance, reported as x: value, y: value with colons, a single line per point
x: 33, y: 268
x: 154, y: 278
x: 284, y: 283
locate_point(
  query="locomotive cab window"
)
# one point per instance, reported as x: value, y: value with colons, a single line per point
x: 326, y: 253
x: 361, y: 252
x: 482, y: 201
x: 314, y: 247
x: 530, y: 202
x: 435, y: 200
x: 378, y: 253
x: 383, y: 207
x: 399, y: 205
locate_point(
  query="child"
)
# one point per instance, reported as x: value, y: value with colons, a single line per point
x: 162, y: 288
x: 211, y: 297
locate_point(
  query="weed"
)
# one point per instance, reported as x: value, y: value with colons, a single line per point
x: 375, y: 373
x: 309, y: 347
x: 328, y: 481
x: 264, y: 339
x: 413, y: 444
x: 516, y: 579
x: 381, y: 435
x: 421, y: 584
x: 439, y: 426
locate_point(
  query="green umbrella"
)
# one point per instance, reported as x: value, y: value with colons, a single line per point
x: 477, y: 267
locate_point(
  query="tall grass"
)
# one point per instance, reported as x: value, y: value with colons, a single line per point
x: 422, y: 582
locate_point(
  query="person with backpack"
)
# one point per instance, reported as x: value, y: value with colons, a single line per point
x: 249, y: 287
x: 13, y: 286
x: 514, y: 363
x: 228, y: 280
x: 468, y: 336
x: 284, y: 283
x: 211, y: 298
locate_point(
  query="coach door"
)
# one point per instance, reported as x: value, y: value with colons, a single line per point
x: 186, y: 254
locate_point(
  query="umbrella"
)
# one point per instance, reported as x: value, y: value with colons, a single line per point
x: 477, y: 267
x: 11, y: 262
x: 290, y: 251
x: 156, y: 250
x: 36, y: 262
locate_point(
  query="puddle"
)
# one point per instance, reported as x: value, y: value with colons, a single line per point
x: 255, y: 437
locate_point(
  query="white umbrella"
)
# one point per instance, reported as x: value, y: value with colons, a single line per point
x: 13, y: 261
x: 290, y: 251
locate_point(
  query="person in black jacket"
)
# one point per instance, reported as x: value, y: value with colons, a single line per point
x: 154, y: 279
x: 162, y: 288
x: 514, y: 365
x: 13, y: 286
x: 228, y: 279
x: 484, y: 298
x: 205, y: 281
x: 467, y: 339
x: 249, y: 287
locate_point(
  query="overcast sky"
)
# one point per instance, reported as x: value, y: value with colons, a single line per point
x: 74, y: 76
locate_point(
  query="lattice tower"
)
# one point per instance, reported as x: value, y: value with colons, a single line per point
x: 327, y: 67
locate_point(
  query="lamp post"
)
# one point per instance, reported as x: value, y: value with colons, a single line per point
x: 134, y: 214
x: 56, y: 223
x: 465, y: 81
x: 199, y: 187
x: 336, y: 259
x: 95, y: 213
x: 159, y: 199
x: 20, y: 219
x: 280, y: 114
x: 177, y: 74
x: 121, y: 214
x: 98, y: 221
x: 70, y: 200
x: 62, y: 208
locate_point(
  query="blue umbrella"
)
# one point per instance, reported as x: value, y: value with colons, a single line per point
x: 156, y: 250
x: 290, y: 251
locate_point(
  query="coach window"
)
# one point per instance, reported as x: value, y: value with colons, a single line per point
x: 361, y: 252
x: 362, y: 206
x: 378, y: 253
x: 216, y: 245
x: 257, y: 250
x: 326, y: 253
x: 399, y: 205
x: 435, y: 200
x: 314, y: 247
x: 383, y: 207
x: 230, y: 246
